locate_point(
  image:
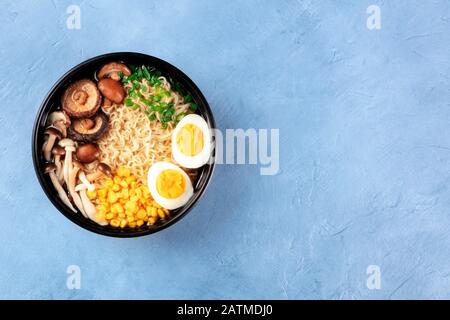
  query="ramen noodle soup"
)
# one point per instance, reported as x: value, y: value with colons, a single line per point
x: 125, y: 148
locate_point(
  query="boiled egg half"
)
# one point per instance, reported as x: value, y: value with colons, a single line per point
x: 191, y: 142
x: 169, y: 185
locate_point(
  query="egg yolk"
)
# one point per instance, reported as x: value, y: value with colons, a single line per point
x: 190, y: 140
x: 170, y: 184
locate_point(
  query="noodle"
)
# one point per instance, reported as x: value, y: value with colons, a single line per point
x: 135, y: 142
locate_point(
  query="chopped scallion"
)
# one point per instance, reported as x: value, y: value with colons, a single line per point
x: 128, y: 102
x: 194, y: 107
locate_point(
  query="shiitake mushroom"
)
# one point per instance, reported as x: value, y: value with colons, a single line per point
x: 112, y: 70
x: 89, y: 129
x: 81, y: 99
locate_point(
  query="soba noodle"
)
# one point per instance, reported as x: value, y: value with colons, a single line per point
x: 135, y: 142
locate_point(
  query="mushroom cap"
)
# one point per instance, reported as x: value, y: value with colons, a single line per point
x: 58, y: 150
x: 57, y: 116
x: 60, y: 120
x: 66, y: 143
x: 88, y: 152
x: 50, y: 168
x: 53, y: 131
x: 77, y: 164
x: 105, y: 169
x: 112, y: 90
x: 81, y: 99
x: 83, y: 130
x: 112, y: 70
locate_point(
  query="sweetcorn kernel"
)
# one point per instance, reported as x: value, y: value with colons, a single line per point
x: 91, y: 194
x: 129, y: 213
x: 102, y: 193
x: 110, y: 216
x: 138, y: 193
x: 123, y: 184
x: 123, y: 172
x: 115, y: 223
x: 112, y: 197
x: 125, y: 194
x: 130, y: 206
x: 109, y: 183
x: 141, y: 214
x: 117, y: 207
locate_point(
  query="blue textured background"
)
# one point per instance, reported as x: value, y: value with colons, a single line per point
x: 364, y: 150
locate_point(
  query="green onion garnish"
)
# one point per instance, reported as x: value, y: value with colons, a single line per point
x: 194, y: 107
x: 128, y: 102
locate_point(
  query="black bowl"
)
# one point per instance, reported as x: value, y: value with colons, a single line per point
x: 51, y: 102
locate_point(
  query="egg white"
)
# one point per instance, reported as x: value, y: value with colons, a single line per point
x: 200, y: 159
x: 169, y: 204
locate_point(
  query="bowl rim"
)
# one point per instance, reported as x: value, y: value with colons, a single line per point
x: 66, y: 77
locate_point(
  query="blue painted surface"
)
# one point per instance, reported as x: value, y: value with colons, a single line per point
x: 364, y: 151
